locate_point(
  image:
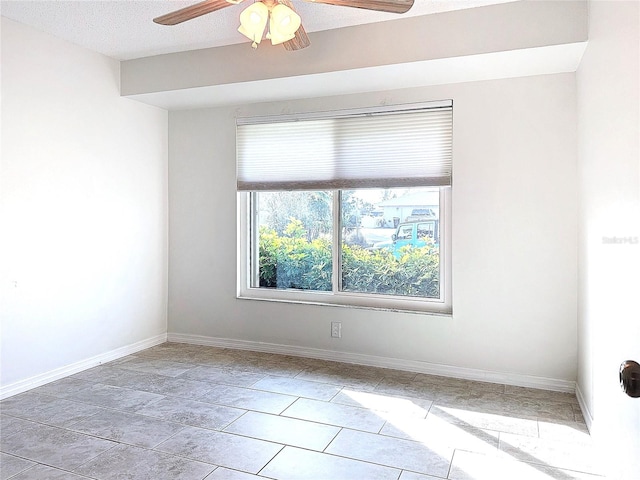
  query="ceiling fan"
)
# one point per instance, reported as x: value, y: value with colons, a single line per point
x: 284, y: 24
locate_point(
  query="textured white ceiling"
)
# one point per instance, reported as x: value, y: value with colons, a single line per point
x: 124, y: 29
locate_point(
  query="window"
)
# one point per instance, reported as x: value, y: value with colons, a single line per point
x: 427, y: 230
x: 404, y: 232
x: 347, y: 209
x: 292, y: 238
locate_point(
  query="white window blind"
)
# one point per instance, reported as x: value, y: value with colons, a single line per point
x: 392, y: 148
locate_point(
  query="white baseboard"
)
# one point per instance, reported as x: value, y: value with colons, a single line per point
x: 355, y: 358
x: 58, y: 373
x: 586, y: 413
x: 384, y: 362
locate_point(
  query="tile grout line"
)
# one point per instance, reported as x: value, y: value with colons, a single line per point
x: 270, y: 460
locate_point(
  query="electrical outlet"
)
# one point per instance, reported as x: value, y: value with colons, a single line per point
x: 336, y: 329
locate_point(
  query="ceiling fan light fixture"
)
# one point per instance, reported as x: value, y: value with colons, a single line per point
x: 253, y: 21
x: 284, y: 24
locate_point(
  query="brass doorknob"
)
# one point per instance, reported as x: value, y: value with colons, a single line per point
x: 630, y: 378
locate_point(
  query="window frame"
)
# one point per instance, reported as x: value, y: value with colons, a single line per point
x: 248, y: 245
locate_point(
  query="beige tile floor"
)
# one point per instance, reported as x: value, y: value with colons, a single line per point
x: 183, y: 412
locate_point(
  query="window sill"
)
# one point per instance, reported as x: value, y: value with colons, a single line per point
x: 417, y: 306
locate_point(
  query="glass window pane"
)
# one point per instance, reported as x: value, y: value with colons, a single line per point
x: 391, y: 241
x: 293, y: 235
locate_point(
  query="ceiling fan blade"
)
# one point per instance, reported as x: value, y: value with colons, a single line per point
x: 193, y: 11
x: 301, y: 40
x: 391, y: 6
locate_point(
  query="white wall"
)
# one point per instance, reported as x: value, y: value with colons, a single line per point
x: 84, y: 210
x: 514, y: 236
x: 608, y: 84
